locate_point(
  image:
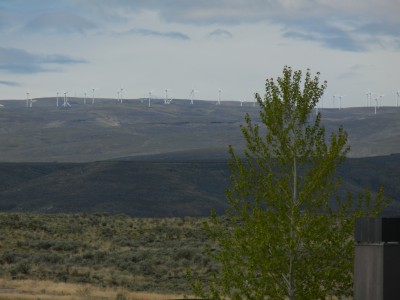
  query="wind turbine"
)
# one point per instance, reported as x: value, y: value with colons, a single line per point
x: 254, y: 98
x: 340, y: 101
x: 118, y: 96
x: 93, y: 96
x: 219, y: 97
x: 84, y: 98
x: 30, y: 101
x: 57, y: 99
x: 369, y: 98
x: 150, y: 98
x: 166, y: 99
x: 27, y: 99
x: 66, y: 103
x: 121, y: 95
x: 398, y: 98
x: 192, y: 92
x: 377, y: 100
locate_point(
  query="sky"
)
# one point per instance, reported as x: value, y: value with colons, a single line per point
x: 142, y: 46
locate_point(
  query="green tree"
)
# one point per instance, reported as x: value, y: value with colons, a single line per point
x: 287, y: 234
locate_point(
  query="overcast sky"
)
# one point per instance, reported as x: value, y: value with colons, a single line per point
x: 50, y: 46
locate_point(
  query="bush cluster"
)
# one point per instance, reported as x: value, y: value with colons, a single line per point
x: 105, y: 250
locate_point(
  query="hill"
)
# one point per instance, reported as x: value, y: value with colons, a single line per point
x: 107, y: 130
x: 155, y: 188
x: 158, y: 161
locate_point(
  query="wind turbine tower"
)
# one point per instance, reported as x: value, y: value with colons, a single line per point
x: 66, y: 103
x: 27, y: 99
x: 192, y: 92
x: 93, y: 96
x: 84, y: 98
x: 369, y: 98
x: 121, y: 94
x: 377, y: 101
x: 166, y: 101
x: 340, y: 101
x: 255, y: 97
x: 219, y: 97
x: 57, y: 99
x: 150, y: 99
x: 322, y: 102
x: 398, y: 98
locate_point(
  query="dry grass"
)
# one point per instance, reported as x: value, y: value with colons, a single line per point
x: 107, y: 251
x: 43, y: 290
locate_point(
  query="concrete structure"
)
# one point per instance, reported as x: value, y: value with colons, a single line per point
x: 377, y: 259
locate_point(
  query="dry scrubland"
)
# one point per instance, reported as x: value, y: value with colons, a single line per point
x: 43, y: 290
x: 98, y: 256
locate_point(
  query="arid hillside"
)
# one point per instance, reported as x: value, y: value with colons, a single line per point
x: 107, y: 130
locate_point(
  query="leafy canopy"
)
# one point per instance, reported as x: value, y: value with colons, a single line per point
x: 286, y: 233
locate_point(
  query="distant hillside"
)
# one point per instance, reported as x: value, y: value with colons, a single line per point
x: 107, y: 130
x: 155, y: 188
x: 158, y: 161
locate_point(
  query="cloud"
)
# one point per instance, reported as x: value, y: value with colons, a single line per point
x: 352, y: 25
x: 334, y: 40
x: 220, y: 34
x: 153, y: 33
x: 59, y: 22
x: 183, y: 11
x: 342, y: 25
x: 9, y: 83
x: 344, y: 34
x: 20, y: 61
x: 352, y: 72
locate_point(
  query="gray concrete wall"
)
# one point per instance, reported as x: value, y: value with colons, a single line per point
x: 377, y: 272
x: 368, y: 272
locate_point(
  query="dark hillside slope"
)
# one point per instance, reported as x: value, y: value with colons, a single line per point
x: 143, y: 189
x: 373, y: 173
x: 155, y: 188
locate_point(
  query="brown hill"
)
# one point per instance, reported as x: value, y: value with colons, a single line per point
x: 107, y: 130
